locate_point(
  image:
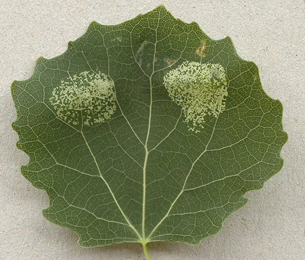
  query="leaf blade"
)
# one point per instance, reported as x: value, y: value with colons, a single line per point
x: 159, y: 176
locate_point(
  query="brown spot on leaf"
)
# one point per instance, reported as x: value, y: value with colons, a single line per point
x: 170, y: 62
x: 200, y: 50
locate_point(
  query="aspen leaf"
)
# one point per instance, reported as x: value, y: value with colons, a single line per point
x: 146, y: 131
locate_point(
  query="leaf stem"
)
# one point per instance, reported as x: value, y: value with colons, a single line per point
x: 146, y: 251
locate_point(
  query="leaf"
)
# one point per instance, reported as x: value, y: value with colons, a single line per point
x: 146, y: 131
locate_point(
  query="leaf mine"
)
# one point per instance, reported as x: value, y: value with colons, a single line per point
x: 86, y: 97
x: 200, y: 89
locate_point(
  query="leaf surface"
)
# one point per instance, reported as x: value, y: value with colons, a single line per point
x: 139, y: 173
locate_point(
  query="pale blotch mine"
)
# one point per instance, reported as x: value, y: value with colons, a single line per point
x: 200, y: 89
x: 86, y: 98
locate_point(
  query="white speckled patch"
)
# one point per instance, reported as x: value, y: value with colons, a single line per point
x: 200, y: 89
x: 86, y: 98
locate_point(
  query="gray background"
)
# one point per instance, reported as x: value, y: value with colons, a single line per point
x: 270, y: 33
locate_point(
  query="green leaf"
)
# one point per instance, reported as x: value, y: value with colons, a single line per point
x: 146, y: 131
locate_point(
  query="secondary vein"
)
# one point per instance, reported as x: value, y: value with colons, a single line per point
x: 184, y: 184
x: 98, y: 167
x: 110, y: 190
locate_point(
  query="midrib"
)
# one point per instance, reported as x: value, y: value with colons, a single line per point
x: 147, y: 136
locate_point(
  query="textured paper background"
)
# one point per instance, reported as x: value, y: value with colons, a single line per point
x: 270, y: 33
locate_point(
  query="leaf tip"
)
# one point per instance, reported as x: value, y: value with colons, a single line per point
x: 15, y: 128
x: 195, y: 24
x: 93, y: 24
x: 19, y: 146
x: 40, y: 59
x: 162, y: 7
x: 70, y: 44
x: 14, y: 83
x: 228, y: 38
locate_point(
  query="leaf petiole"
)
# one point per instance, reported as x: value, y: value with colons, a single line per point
x: 146, y: 252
